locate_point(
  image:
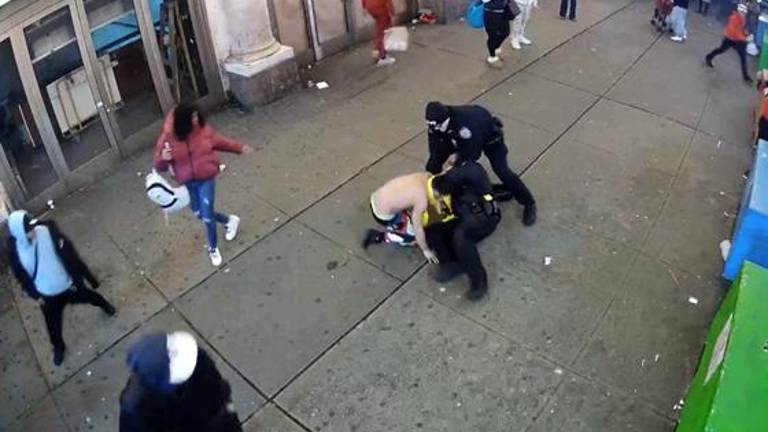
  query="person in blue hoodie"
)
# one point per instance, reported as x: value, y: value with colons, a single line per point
x: 49, y: 269
x: 175, y: 386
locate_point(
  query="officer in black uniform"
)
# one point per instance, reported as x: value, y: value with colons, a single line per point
x: 468, y: 131
x: 477, y: 215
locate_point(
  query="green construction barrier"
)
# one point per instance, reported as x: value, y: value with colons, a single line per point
x: 763, y: 61
x: 729, y: 392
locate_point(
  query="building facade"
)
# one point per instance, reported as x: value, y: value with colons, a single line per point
x: 85, y: 83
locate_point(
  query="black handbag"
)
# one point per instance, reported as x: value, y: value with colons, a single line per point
x: 513, y: 10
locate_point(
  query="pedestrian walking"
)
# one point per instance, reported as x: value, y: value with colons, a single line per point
x: 678, y: 17
x: 382, y: 12
x: 734, y: 36
x: 49, y: 269
x: 521, y: 21
x: 175, y: 386
x: 187, y: 146
x: 464, y: 133
x: 568, y: 7
x: 497, y: 15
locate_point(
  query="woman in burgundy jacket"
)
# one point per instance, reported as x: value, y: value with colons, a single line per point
x: 187, y: 146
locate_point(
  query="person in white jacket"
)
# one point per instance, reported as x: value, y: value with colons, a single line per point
x: 518, y: 25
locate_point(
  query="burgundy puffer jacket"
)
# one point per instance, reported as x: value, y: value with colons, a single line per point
x: 195, y: 158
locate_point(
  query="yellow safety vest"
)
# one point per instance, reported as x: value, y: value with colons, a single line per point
x: 439, y: 208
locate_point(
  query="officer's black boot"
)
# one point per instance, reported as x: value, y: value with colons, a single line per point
x: 529, y: 214
x: 478, y: 291
x: 371, y: 237
x: 447, y: 271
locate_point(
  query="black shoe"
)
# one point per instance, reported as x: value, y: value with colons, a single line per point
x: 748, y: 80
x: 502, y: 194
x: 58, y: 356
x: 373, y: 237
x: 109, y: 310
x: 477, y: 293
x: 529, y: 215
x: 708, y: 62
x: 447, y: 272
x: 572, y: 19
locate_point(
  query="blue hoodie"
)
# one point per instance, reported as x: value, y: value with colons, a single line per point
x: 52, y: 278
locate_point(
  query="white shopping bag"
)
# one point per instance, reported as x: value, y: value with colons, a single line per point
x: 396, y: 39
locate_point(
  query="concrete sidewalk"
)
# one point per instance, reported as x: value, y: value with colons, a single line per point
x: 632, y: 147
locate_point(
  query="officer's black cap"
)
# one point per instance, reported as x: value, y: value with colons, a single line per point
x: 437, y: 112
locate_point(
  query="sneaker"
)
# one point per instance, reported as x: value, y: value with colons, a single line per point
x: 708, y: 62
x: 678, y: 39
x: 110, y: 310
x: 58, y: 356
x: 477, y: 292
x: 529, y: 215
x: 748, y: 80
x: 215, y: 256
x: 515, y: 44
x: 386, y: 61
x: 232, y: 225
x: 525, y: 41
x: 494, y: 62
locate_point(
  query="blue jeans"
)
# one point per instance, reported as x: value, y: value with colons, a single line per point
x: 202, y: 194
x: 678, y: 17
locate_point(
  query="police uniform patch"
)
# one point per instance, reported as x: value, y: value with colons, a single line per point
x: 465, y: 133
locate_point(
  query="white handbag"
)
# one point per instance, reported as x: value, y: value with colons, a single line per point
x: 396, y: 39
x: 161, y: 192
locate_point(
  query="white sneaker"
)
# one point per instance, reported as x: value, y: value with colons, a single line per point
x: 232, y: 225
x: 678, y: 39
x: 515, y: 44
x: 524, y: 40
x: 494, y: 61
x: 215, y: 256
x: 385, y: 61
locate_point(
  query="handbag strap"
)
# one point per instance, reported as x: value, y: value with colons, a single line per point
x: 37, y: 262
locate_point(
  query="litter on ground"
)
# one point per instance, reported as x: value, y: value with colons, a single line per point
x: 322, y: 85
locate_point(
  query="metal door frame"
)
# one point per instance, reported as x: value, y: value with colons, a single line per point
x: 337, y: 44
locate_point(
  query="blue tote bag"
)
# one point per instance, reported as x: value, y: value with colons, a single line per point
x: 475, y: 14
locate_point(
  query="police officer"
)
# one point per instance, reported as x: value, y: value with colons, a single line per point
x: 468, y: 131
x: 477, y: 215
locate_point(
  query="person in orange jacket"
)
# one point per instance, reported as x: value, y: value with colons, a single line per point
x: 382, y: 12
x: 735, y: 36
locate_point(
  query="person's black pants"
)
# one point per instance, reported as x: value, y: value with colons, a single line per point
x: 53, y: 309
x: 456, y: 242
x: 741, y: 49
x: 496, y: 152
x: 498, y: 29
x: 564, y: 9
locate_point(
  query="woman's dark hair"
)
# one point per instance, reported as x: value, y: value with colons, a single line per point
x: 182, y: 119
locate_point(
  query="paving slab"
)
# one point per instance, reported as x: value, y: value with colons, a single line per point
x: 694, y: 222
x: 171, y: 251
x: 21, y: 379
x: 653, y: 318
x: 415, y: 365
x: 525, y: 142
x: 594, y: 60
x: 45, y: 417
x: 271, y: 419
x: 282, y: 303
x: 551, y: 309
x: 581, y: 405
x: 87, y: 330
x: 670, y: 80
x: 717, y: 164
x: 345, y: 216
x: 90, y: 400
x: 729, y: 114
x: 543, y: 103
x: 634, y: 137
x: 578, y: 184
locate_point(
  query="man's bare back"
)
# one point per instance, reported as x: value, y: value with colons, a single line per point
x: 402, y: 193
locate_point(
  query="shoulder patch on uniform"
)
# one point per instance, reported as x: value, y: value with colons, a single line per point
x: 465, y: 133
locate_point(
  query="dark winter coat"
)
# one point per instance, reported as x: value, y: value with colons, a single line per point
x: 471, y: 128
x: 202, y: 404
x: 77, y: 269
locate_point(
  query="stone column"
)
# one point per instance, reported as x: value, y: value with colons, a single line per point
x: 259, y: 68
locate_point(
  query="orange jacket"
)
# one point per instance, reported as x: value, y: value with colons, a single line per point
x: 734, y: 30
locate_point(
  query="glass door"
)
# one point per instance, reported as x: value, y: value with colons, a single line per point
x: 72, y: 101
x: 123, y: 71
x: 332, y: 27
x: 24, y: 155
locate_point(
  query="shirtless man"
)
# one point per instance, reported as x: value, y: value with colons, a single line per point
x: 393, y: 206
